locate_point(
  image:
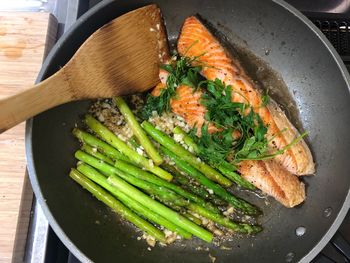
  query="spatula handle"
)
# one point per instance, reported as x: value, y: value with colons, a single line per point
x: 45, y: 95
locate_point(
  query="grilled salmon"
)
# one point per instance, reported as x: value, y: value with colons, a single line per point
x: 196, y: 41
x: 186, y: 104
x: 269, y: 176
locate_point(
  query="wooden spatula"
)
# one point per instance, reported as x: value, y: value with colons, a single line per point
x: 120, y: 58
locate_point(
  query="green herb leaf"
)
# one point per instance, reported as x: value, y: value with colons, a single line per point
x: 265, y: 99
x: 228, y: 117
x: 180, y: 72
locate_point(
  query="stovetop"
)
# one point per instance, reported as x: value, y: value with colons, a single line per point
x: 331, y: 16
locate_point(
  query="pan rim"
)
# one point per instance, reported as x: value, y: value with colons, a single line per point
x: 29, y: 124
x: 345, y: 73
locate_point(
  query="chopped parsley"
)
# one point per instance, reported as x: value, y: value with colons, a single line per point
x: 265, y: 99
x: 180, y: 72
x: 213, y: 148
x: 229, y: 117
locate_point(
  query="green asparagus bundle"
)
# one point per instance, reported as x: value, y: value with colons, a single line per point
x: 88, y: 149
x: 98, y: 178
x: 168, y: 197
x: 118, y: 207
x: 190, y: 186
x: 159, y: 208
x: 139, y: 173
x: 121, y: 146
x: 144, y: 193
x: 170, y: 144
x: 165, y: 195
x: 101, y: 146
x: 237, y: 203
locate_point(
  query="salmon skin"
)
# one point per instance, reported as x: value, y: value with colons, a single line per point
x: 196, y: 41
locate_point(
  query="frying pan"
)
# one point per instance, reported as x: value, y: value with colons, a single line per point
x: 314, y: 75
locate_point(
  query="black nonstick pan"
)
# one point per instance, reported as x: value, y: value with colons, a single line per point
x: 315, y: 78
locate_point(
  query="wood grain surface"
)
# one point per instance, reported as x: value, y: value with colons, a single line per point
x: 23, y: 41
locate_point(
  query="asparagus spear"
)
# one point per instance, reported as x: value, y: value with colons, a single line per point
x: 224, y: 221
x: 103, y: 147
x: 149, y: 214
x: 224, y: 167
x: 188, y: 185
x: 93, y: 152
x: 170, y: 144
x: 162, y: 210
x: 199, y: 190
x: 238, y: 203
x: 161, y: 193
x: 118, y: 207
x: 192, y: 218
x: 133, y: 142
x: 184, y: 212
x: 113, y: 140
x: 164, y: 195
x: 98, y: 178
x: 187, y: 139
x: 138, y: 131
x: 139, y: 173
x: 169, y: 197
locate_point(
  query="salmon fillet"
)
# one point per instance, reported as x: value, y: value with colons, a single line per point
x: 268, y: 176
x: 196, y: 41
x: 186, y: 104
x: 271, y: 178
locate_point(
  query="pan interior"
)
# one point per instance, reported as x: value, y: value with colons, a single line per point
x: 314, y: 81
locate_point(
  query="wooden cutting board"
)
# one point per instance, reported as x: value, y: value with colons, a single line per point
x: 24, y: 41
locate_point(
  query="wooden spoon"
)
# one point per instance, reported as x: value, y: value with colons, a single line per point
x: 120, y: 58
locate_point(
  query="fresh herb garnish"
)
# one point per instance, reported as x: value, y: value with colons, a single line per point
x: 229, y: 117
x: 213, y: 148
x: 180, y: 72
x: 267, y: 156
x: 159, y: 103
x: 265, y: 99
x: 249, y: 142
